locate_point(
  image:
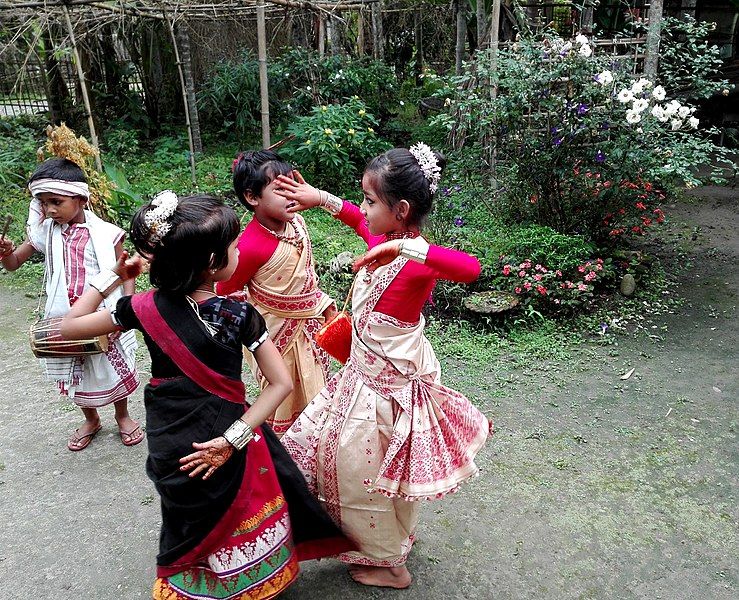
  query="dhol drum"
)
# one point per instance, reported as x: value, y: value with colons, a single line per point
x: 47, y: 342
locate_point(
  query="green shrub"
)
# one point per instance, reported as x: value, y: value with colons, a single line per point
x: 562, y: 112
x: 334, y: 142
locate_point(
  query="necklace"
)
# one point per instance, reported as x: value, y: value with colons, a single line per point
x: 296, y: 239
x: 194, y: 305
x: 400, y: 235
x: 210, y: 290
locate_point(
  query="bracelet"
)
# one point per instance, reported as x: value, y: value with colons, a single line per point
x: 330, y: 203
x: 239, y: 434
x: 105, y: 282
x: 415, y: 249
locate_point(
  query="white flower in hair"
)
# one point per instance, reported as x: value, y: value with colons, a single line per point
x: 428, y: 163
x: 157, y: 218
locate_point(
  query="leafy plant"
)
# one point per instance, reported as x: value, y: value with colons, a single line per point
x: 560, y: 111
x: 334, y: 141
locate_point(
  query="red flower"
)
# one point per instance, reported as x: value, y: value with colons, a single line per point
x: 640, y: 206
x: 507, y: 270
x: 541, y: 289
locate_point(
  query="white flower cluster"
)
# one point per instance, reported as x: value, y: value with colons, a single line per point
x: 157, y: 218
x: 673, y: 111
x: 581, y: 41
x: 429, y: 165
x: 604, y: 78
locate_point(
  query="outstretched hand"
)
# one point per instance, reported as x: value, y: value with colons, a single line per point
x: 129, y: 267
x: 209, y: 456
x: 298, y: 191
x: 382, y: 254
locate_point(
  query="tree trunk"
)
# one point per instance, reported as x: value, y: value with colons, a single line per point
x: 182, y: 35
x: 418, y: 34
x: 481, y: 24
x: 360, y: 32
x: 378, y: 37
x: 461, y: 6
x: 651, y: 62
x: 56, y: 88
x: 321, y: 36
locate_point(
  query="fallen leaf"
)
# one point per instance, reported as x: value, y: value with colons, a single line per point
x: 628, y: 374
x: 717, y: 390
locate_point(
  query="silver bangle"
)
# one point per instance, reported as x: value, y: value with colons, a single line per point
x: 239, y: 434
x: 105, y: 282
x: 330, y: 203
x: 415, y: 249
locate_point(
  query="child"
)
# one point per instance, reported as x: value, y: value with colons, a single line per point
x: 77, y: 245
x: 231, y: 533
x: 385, y: 431
x: 276, y: 266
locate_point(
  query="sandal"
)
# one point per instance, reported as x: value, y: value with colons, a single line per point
x: 129, y: 437
x: 79, y: 442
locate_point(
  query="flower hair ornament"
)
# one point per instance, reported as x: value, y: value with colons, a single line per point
x: 157, y: 218
x: 428, y: 163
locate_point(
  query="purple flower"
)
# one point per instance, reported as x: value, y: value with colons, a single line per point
x: 555, y: 130
x: 459, y: 221
x: 600, y: 156
x: 605, y: 125
x: 446, y: 191
x: 557, y: 141
x: 582, y: 109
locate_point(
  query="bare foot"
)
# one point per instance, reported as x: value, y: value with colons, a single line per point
x: 393, y: 577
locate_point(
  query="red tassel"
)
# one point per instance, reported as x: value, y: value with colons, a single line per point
x: 335, y: 337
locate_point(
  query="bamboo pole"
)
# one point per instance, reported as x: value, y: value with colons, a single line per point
x: 184, y: 101
x: 494, y: 43
x: 83, y: 87
x: 263, y: 83
x: 461, y: 6
x: 481, y: 24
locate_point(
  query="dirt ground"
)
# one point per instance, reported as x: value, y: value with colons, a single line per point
x: 592, y: 487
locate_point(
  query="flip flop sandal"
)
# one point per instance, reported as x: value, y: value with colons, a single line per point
x: 127, y: 436
x: 79, y: 442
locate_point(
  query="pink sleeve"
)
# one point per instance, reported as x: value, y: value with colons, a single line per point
x: 254, y: 251
x: 351, y: 215
x: 452, y: 265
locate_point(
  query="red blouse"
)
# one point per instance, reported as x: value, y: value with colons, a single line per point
x: 405, y: 296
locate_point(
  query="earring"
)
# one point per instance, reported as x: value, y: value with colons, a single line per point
x: 398, y: 217
x: 212, y: 271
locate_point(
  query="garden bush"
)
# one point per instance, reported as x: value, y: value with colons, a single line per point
x: 299, y: 79
x: 572, y: 131
x: 334, y: 142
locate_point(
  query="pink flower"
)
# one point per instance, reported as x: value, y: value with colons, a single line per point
x: 539, y: 267
x: 537, y: 277
x: 599, y: 261
x: 522, y: 273
x: 599, y: 267
x: 556, y: 300
x: 581, y: 268
x: 558, y: 273
x: 517, y: 290
x: 582, y: 287
x: 569, y: 285
x: 541, y: 289
x: 507, y: 270
x: 590, y: 276
x: 527, y: 285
